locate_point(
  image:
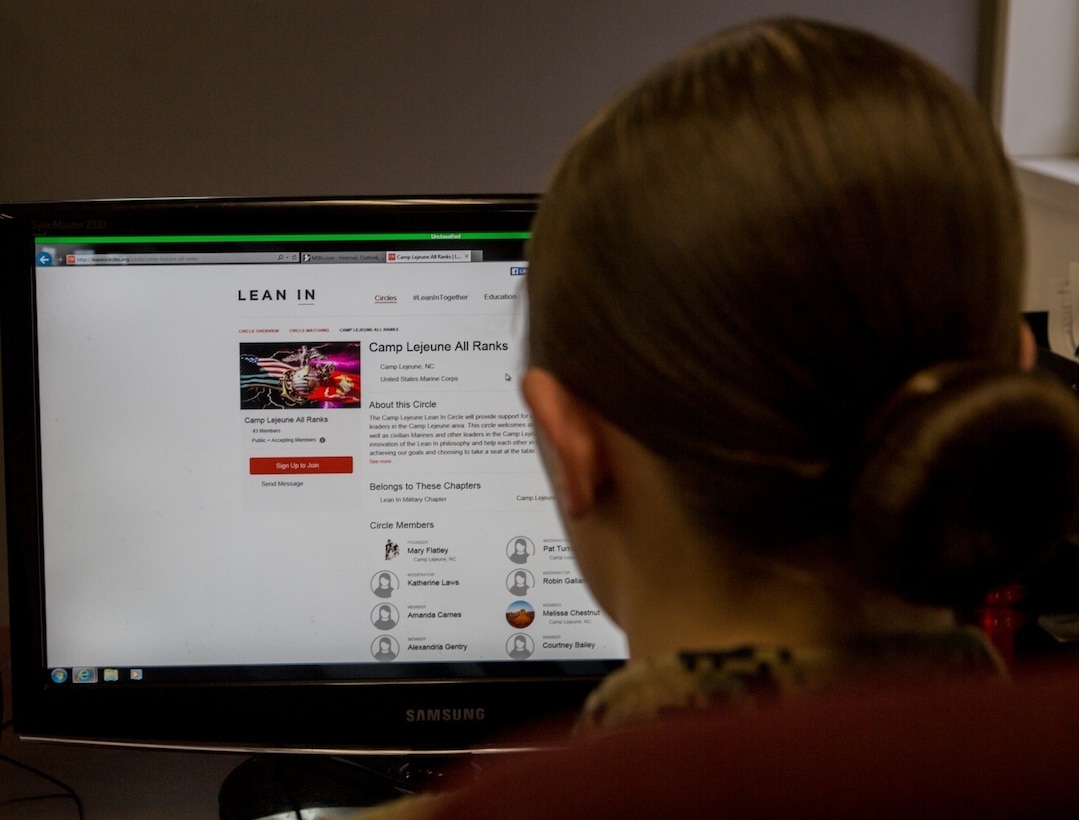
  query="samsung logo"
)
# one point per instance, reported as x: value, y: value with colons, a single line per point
x: 443, y: 715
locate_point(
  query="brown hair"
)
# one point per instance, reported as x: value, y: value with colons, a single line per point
x: 745, y: 254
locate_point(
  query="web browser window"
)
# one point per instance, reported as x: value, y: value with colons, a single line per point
x: 296, y: 453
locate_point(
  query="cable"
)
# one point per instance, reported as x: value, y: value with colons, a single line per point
x: 399, y: 782
x: 67, y: 791
x: 14, y: 801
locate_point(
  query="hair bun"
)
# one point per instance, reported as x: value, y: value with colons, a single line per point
x: 969, y: 478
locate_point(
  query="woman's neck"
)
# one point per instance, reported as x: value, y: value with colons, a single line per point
x: 700, y: 595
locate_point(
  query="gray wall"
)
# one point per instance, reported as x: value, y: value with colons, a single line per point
x: 271, y: 97
x: 282, y: 97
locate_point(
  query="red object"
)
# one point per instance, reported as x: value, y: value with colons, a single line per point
x: 1001, y: 621
x: 293, y: 465
x: 951, y: 750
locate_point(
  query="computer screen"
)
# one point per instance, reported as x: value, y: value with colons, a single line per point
x: 270, y: 481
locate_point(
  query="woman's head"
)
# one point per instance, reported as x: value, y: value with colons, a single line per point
x: 744, y: 255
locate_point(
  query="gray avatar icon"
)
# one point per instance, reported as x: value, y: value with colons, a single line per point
x: 520, y: 647
x: 519, y: 582
x: 520, y: 549
x: 384, y: 584
x: 385, y: 649
x: 384, y: 616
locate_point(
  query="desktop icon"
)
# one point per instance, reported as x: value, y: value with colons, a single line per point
x: 84, y: 674
x: 59, y: 675
x: 135, y: 674
x: 111, y: 675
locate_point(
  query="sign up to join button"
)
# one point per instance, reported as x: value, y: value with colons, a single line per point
x: 291, y: 465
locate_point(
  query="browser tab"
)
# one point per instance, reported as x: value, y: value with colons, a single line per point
x: 429, y: 256
x: 342, y: 257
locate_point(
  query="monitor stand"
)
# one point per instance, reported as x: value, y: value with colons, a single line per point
x: 316, y: 787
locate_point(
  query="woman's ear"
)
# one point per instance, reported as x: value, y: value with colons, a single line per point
x: 1028, y: 347
x: 570, y: 441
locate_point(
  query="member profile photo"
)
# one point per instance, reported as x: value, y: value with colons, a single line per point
x: 519, y: 582
x: 519, y: 647
x: 384, y: 584
x: 384, y: 648
x: 520, y: 614
x: 520, y: 549
x: 384, y: 616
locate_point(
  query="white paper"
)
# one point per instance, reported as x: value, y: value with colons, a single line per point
x: 1063, y: 318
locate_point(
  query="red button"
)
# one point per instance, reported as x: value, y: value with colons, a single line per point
x: 290, y: 465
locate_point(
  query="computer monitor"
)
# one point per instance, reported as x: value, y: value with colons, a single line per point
x: 270, y: 482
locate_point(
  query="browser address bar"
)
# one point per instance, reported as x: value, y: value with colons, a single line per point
x: 193, y: 258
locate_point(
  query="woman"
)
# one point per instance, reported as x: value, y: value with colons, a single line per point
x: 780, y: 385
x: 777, y: 371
